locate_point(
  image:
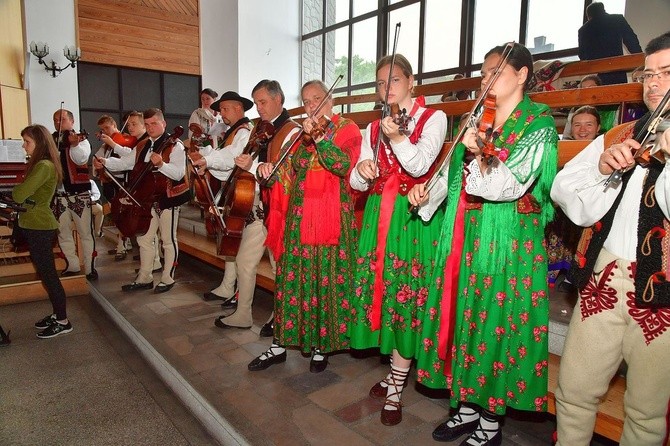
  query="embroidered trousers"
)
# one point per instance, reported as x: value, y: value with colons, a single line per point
x: 84, y: 226
x: 606, y: 328
x: 166, y: 224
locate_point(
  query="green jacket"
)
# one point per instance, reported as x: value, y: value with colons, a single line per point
x: 39, y: 186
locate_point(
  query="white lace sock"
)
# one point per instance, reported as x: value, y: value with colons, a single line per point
x: 274, y: 350
x: 466, y: 414
x: 489, y: 425
x: 317, y: 355
x: 395, y: 386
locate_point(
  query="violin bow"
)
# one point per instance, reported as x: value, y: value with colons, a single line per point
x: 212, y: 198
x: 284, y: 155
x: 115, y: 181
x: 385, y: 108
x: 471, y: 119
x: 649, y: 129
x: 60, y: 124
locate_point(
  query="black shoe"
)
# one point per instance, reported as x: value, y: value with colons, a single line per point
x: 445, y: 433
x: 162, y: 287
x: 45, y: 323
x: 137, y: 286
x: 219, y: 323
x: 266, y: 360
x: 70, y: 273
x: 54, y: 330
x: 481, y: 437
x: 318, y: 366
x: 93, y: 275
x: 209, y: 296
x: 230, y: 303
x: 268, y: 329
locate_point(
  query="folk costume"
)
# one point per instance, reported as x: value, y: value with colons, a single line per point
x: 72, y: 204
x: 396, y: 251
x: 623, y: 310
x: 485, y: 332
x: 319, y: 242
x: 164, y: 212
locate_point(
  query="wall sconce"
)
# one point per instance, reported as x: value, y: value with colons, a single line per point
x: 41, y: 50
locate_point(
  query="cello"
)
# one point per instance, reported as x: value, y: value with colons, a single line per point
x: 144, y: 188
x: 205, y: 186
x: 238, y: 194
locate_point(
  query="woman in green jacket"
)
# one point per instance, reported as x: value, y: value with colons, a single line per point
x: 38, y: 224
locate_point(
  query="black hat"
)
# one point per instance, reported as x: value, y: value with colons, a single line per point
x: 232, y: 96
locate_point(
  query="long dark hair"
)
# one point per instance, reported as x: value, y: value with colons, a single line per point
x: 45, y: 149
x: 519, y: 57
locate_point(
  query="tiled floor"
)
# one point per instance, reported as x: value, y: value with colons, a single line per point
x: 285, y: 404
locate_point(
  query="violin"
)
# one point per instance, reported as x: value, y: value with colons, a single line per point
x: 649, y: 150
x: 71, y: 137
x: 486, y: 127
x: 321, y: 126
x: 400, y: 117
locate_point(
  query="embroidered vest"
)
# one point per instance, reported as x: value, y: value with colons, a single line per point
x: 177, y: 192
x: 76, y: 178
x: 388, y: 163
x: 652, y: 290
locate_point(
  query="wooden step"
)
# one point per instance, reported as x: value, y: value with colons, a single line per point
x: 29, y: 288
x: 609, y: 420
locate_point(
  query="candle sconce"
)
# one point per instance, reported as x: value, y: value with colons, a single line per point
x: 41, y: 50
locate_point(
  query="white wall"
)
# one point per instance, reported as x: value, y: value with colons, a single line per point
x: 269, y: 46
x: 219, y: 55
x: 649, y: 21
x: 52, y: 22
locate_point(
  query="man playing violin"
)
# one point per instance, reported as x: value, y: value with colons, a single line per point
x: 165, y: 208
x: 72, y: 201
x: 623, y: 311
x: 220, y: 163
x: 107, y: 134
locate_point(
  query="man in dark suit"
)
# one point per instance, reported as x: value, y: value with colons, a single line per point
x: 602, y: 36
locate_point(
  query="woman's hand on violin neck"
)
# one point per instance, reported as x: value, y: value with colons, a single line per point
x: 417, y: 194
x: 367, y: 169
x: 264, y: 170
x: 618, y: 156
x: 308, y: 125
x: 244, y: 161
x: 392, y: 130
x: 470, y: 141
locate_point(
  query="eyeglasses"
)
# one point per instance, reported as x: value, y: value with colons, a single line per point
x: 643, y: 78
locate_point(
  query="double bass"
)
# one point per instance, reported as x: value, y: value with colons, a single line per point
x: 145, y: 187
x: 238, y: 194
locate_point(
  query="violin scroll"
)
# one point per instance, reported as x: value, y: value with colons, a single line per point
x: 400, y: 117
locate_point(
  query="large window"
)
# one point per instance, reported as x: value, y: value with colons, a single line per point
x: 439, y: 37
x: 114, y: 91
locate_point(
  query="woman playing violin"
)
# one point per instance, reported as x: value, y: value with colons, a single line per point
x: 396, y: 250
x: 205, y: 115
x: 314, y: 270
x: 490, y: 285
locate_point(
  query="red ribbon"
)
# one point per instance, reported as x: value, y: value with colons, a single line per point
x: 445, y: 336
x: 385, y: 212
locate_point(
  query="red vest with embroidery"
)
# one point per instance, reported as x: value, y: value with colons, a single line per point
x: 388, y: 163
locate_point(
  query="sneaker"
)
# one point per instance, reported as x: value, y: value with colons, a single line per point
x: 54, y: 330
x: 46, y: 322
